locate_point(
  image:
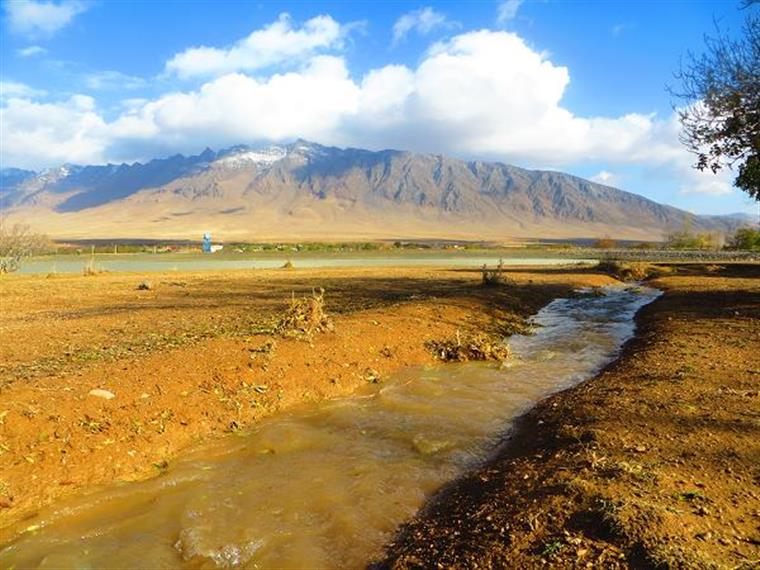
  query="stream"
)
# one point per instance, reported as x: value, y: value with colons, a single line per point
x: 325, y: 485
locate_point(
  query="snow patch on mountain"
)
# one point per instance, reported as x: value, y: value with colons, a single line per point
x: 53, y: 175
x: 246, y: 158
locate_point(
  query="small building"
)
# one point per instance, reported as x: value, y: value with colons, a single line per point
x: 209, y: 247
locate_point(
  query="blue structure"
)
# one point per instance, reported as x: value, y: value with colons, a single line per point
x: 207, y: 243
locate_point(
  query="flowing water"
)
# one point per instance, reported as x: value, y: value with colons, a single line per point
x: 326, y: 485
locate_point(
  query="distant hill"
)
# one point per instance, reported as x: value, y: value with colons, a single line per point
x: 309, y: 191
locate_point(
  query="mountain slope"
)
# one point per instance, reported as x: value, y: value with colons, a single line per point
x: 308, y: 191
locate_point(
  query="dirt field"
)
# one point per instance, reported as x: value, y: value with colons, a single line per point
x: 655, y: 463
x: 194, y: 355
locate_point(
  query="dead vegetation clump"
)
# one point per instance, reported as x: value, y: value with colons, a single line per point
x: 475, y: 347
x: 496, y: 276
x: 629, y: 270
x: 305, y: 316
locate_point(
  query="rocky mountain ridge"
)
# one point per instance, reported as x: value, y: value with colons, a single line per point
x: 306, y: 190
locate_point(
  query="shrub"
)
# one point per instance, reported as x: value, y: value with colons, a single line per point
x: 17, y: 243
x: 305, y: 316
x: 476, y: 347
x: 645, y: 245
x: 496, y: 276
x: 604, y: 243
x: 628, y: 270
x: 688, y: 240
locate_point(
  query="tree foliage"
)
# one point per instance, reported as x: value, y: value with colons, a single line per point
x: 721, y: 89
x: 687, y: 240
x: 746, y: 239
x: 16, y: 244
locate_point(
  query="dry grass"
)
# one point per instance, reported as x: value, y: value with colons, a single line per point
x: 629, y: 270
x: 305, y: 316
x: 475, y: 347
x: 496, y: 276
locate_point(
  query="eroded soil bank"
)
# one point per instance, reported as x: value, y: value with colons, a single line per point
x: 194, y: 355
x: 653, y: 463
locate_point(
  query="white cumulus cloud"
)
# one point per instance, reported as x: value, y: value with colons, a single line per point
x: 483, y: 94
x: 34, y: 17
x: 277, y: 43
x: 489, y: 94
x: 45, y: 134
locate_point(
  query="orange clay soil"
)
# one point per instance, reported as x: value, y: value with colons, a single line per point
x: 655, y: 463
x: 195, y: 356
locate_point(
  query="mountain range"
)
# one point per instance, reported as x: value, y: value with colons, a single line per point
x: 306, y: 191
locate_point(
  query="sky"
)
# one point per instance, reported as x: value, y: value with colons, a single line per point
x: 573, y: 86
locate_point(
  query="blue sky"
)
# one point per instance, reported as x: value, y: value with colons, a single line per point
x: 572, y: 86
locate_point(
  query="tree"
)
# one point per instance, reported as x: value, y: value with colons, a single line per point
x: 16, y: 244
x: 720, y: 122
x: 746, y: 239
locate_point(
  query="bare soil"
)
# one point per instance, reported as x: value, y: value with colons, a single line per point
x: 198, y: 354
x: 655, y: 463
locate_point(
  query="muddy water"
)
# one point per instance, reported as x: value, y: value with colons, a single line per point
x: 324, y: 486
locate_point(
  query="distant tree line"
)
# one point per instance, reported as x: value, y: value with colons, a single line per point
x: 745, y: 239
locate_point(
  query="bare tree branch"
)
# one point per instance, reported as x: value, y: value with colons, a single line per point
x: 720, y: 93
x: 16, y: 244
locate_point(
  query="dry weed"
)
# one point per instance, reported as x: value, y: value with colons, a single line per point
x: 305, y: 316
x: 628, y: 270
x: 475, y: 347
x: 496, y: 276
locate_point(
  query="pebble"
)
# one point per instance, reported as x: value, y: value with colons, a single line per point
x: 98, y: 393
